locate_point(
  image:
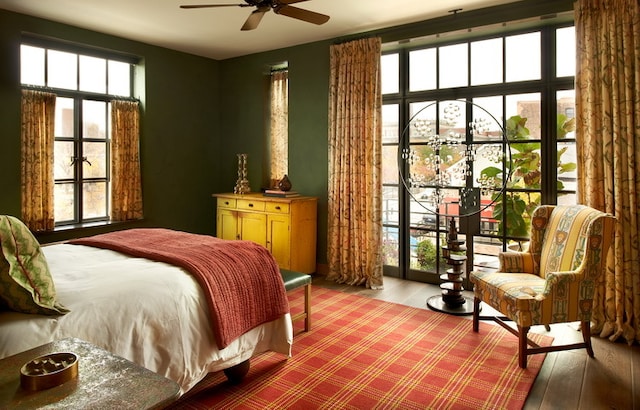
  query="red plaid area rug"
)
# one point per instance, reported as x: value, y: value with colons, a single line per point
x: 363, y: 353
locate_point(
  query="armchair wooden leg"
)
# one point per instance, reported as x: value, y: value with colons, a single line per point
x: 586, y: 335
x: 522, y: 346
x: 476, y: 314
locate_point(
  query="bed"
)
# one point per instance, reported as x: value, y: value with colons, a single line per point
x: 152, y: 312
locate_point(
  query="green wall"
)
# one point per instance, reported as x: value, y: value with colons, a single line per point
x: 180, y: 128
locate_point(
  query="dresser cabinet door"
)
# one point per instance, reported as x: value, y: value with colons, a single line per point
x: 279, y: 239
x: 253, y: 227
x: 227, y: 224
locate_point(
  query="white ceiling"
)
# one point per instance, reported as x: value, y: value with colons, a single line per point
x: 215, y: 32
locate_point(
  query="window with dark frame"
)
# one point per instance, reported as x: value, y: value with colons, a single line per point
x: 84, y: 81
x: 524, y: 78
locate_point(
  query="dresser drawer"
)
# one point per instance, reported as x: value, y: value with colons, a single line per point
x: 226, y: 203
x: 277, y: 207
x: 250, y: 205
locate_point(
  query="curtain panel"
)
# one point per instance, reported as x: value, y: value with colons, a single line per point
x: 608, y: 148
x: 279, y: 126
x: 126, y: 181
x: 355, y: 158
x: 36, y: 161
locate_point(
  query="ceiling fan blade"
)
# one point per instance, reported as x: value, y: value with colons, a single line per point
x: 301, y: 14
x: 254, y: 19
x: 291, y: 1
x: 202, y: 6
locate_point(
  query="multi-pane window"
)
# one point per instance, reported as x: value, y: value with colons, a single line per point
x: 523, y: 82
x: 84, y: 85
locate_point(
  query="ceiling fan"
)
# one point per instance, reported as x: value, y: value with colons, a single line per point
x: 263, y: 6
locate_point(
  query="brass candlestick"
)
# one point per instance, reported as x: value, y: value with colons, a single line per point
x: 242, y: 183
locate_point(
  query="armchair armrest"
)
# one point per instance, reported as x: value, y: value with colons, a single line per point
x: 554, y: 279
x: 517, y: 262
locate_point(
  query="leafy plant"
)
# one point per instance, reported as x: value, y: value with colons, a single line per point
x: 426, y: 254
x: 525, y: 166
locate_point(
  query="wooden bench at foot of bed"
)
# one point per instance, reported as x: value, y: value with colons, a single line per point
x: 293, y: 280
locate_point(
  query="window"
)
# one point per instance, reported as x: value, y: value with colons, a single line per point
x: 279, y: 124
x: 84, y: 84
x: 525, y: 80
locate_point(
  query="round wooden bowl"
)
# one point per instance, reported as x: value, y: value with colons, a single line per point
x: 49, y: 371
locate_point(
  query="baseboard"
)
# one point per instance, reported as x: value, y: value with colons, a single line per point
x: 322, y: 269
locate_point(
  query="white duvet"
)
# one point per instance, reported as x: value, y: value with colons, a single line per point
x: 151, y: 313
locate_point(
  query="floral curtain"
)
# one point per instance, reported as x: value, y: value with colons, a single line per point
x: 38, y: 113
x: 279, y: 126
x: 355, y: 158
x: 126, y: 182
x: 608, y: 148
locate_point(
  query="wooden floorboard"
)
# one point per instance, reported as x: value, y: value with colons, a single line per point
x: 565, y: 381
x: 568, y: 379
x: 635, y: 385
x: 539, y: 388
x: 609, y: 377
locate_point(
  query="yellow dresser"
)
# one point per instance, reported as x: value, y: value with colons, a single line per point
x: 285, y: 226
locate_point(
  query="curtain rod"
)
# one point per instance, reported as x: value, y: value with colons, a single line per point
x: 343, y: 40
x: 82, y: 93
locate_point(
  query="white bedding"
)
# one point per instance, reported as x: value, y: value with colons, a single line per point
x: 151, y: 313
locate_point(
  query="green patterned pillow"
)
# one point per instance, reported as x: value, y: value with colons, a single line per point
x: 25, y: 282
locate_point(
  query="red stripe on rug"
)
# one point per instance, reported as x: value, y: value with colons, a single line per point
x: 365, y: 353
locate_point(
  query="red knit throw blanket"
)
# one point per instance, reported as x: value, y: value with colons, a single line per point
x: 241, y: 280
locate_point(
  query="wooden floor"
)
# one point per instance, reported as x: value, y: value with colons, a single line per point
x: 568, y: 380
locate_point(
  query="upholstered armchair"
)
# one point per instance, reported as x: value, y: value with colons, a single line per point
x: 553, y: 281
